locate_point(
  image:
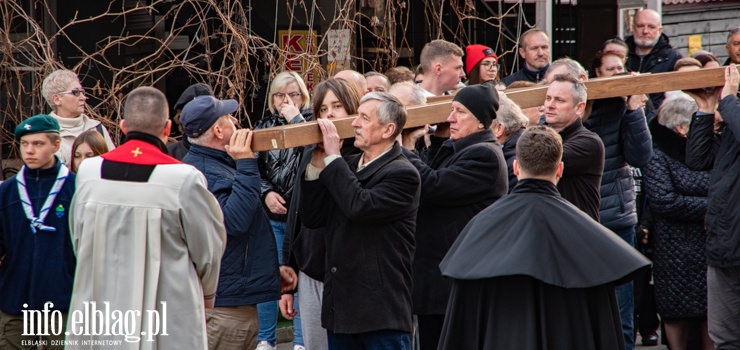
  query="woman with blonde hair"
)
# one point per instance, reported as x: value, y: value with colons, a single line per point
x: 289, y: 103
x: 66, y: 97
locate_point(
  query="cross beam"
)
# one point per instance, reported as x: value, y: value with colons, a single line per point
x: 438, y: 110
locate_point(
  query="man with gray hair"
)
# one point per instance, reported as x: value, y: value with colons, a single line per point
x: 583, y: 151
x: 147, y: 234
x: 408, y: 93
x: 566, y: 65
x: 367, y: 206
x: 621, y: 126
x: 377, y: 82
x: 441, y: 62
x: 507, y: 127
x: 249, y: 273
x: 733, y: 46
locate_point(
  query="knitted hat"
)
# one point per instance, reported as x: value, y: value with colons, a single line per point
x: 193, y: 91
x: 199, y: 114
x: 36, y: 124
x: 476, y: 53
x: 481, y: 100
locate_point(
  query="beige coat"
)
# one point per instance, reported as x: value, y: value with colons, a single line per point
x: 142, y: 244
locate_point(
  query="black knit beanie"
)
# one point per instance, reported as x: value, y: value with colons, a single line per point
x: 481, y: 100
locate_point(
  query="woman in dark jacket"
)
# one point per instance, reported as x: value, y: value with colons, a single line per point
x: 678, y: 200
x: 303, y: 248
x: 289, y: 103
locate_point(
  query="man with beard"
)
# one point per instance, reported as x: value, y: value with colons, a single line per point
x: 564, y: 298
x: 650, y: 49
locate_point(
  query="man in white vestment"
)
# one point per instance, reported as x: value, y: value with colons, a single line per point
x: 148, y: 236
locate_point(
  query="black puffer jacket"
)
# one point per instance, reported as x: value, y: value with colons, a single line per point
x: 722, y: 155
x: 278, y: 168
x: 661, y: 59
x: 678, y: 201
x: 626, y: 141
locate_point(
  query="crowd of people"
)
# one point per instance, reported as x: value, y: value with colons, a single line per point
x: 504, y: 227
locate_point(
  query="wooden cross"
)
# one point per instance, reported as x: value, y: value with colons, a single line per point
x: 438, y: 110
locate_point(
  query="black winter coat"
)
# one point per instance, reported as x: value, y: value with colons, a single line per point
x: 179, y: 149
x: 369, y: 221
x: 626, y: 142
x: 722, y: 155
x: 583, y: 155
x: 463, y: 178
x: 278, y: 168
x: 509, y: 149
x: 678, y: 202
x: 661, y: 59
x: 304, y: 248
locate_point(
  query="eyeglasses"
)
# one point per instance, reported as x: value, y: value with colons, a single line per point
x: 75, y: 92
x: 489, y: 66
x: 291, y: 95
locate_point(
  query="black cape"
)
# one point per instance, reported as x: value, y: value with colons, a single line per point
x: 532, y: 271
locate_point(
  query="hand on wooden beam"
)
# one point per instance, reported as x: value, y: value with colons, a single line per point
x: 302, y: 134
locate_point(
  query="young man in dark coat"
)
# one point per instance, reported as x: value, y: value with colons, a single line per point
x: 367, y: 206
x: 721, y: 153
x: 466, y: 173
x: 564, y: 298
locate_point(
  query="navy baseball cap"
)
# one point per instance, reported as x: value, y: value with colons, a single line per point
x: 199, y: 114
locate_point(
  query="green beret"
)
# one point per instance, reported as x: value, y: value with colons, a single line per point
x: 36, y: 124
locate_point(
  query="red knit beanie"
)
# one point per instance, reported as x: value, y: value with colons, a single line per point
x: 476, y: 53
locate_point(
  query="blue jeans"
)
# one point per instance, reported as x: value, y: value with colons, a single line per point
x: 626, y: 297
x: 377, y: 340
x: 268, y: 312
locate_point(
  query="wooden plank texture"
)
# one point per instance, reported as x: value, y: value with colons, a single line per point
x: 439, y: 109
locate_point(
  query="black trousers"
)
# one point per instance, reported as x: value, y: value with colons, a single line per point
x: 430, y: 329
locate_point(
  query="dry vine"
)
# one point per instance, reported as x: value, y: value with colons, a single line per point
x: 225, y: 52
